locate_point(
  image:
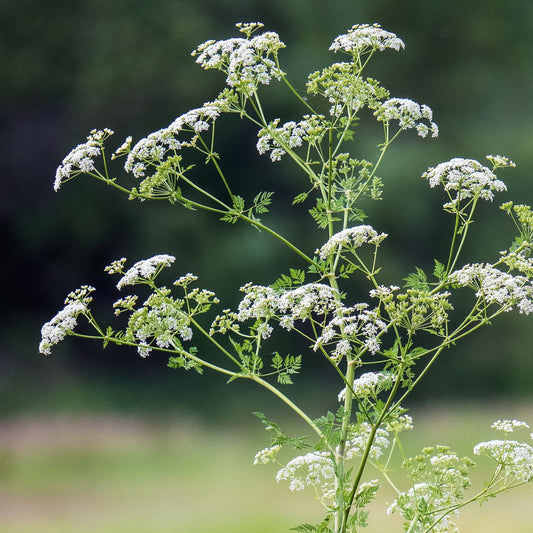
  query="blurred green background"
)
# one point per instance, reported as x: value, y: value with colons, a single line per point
x: 69, y: 66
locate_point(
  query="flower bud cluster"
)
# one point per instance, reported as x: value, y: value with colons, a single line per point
x: 415, y: 309
x: 345, y: 89
x: 440, y: 479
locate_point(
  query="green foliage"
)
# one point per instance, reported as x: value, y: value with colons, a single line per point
x: 278, y: 436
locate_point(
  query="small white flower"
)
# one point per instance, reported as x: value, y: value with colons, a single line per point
x: 246, y: 62
x: 363, y: 36
x: 508, y: 426
x: 81, y: 159
x: 409, y: 114
x: 370, y: 383
x: 145, y: 269
x: 312, y: 469
x: 496, y: 287
x: 515, y: 457
x: 61, y: 325
x: 464, y: 178
x: 350, y: 238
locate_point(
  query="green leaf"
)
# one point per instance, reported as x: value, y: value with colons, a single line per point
x: 302, y: 197
x: 417, y: 280
x: 278, y: 437
x: 439, y: 271
x: 277, y: 361
x: 261, y: 201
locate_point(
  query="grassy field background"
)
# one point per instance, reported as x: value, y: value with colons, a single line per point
x: 119, y: 474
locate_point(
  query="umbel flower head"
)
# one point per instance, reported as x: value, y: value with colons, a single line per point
x: 80, y: 160
x: 515, y: 458
x: 496, y: 287
x: 463, y: 179
x: 141, y: 271
x: 246, y: 62
x: 363, y: 37
x: 64, y: 322
x: 349, y: 239
x: 409, y: 115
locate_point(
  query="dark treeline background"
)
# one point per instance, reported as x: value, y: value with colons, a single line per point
x: 69, y: 66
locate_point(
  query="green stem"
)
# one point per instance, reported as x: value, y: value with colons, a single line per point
x: 287, y: 243
x: 289, y: 403
x: 179, y: 351
x: 292, y: 89
x: 369, y: 443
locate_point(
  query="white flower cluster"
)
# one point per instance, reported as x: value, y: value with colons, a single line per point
x: 81, y: 159
x: 159, y: 320
x: 143, y: 270
x: 508, y: 426
x: 351, y: 326
x: 259, y: 302
x: 497, y: 287
x: 317, y: 469
x: 276, y: 139
x: 312, y: 469
x: 350, y: 238
x: 300, y: 303
x: 246, y: 62
x: 370, y: 384
x: 409, y: 114
x: 313, y: 298
x: 515, y: 457
x: 64, y: 322
x: 152, y: 150
x: 362, y: 37
x: 466, y: 178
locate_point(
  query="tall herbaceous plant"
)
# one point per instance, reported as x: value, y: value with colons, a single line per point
x: 375, y: 346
